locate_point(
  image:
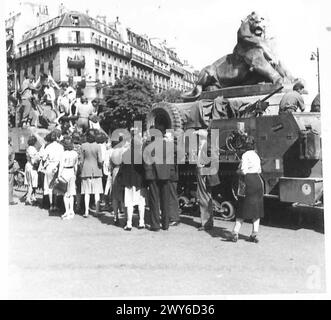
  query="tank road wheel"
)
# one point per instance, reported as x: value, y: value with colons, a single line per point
x: 224, y: 210
x: 165, y: 114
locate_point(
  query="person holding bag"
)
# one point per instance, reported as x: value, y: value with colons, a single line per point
x: 251, y: 203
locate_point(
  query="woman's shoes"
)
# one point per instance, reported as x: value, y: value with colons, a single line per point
x: 85, y: 215
x: 141, y: 227
x: 68, y: 216
x: 253, y: 238
x: 126, y: 228
x: 65, y: 215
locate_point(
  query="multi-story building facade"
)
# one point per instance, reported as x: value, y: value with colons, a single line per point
x: 75, y: 45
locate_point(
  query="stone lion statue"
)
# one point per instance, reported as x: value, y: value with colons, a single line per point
x: 253, y: 60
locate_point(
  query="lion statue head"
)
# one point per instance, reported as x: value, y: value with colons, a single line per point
x: 257, y: 24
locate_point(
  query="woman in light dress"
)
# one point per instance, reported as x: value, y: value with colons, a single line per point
x: 51, y: 158
x: 31, y: 173
x: 67, y: 172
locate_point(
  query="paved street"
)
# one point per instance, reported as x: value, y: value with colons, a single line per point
x: 84, y: 258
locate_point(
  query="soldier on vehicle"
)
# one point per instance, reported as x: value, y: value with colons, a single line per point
x: 293, y: 100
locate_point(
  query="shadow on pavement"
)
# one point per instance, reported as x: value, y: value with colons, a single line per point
x: 294, y: 218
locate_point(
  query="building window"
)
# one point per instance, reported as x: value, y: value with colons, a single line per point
x: 96, y: 51
x: 35, y: 45
x: 20, y: 51
x: 74, y: 20
x: 44, y: 42
x: 27, y: 48
x: 76, y: 36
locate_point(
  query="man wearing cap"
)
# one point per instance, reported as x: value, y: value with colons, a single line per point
x: 293, y: 100
x: 26, y: 97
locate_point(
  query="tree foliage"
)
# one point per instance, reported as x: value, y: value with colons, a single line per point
x: 128, y: 100
x: 170, y: 95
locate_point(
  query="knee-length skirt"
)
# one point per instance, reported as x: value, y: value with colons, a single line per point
x: 134, y: 197
x: 91, y: 185
x: 251, y: 205
x: 30, y: 176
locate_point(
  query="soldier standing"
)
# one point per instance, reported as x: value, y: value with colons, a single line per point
x: 205, y: 184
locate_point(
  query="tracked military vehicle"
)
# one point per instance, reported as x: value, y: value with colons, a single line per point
x: 289, y: 145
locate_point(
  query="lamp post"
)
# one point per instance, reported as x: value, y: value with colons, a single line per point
x: 316, y: 55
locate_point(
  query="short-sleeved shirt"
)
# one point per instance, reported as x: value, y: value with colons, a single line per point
x: 250, y: 162
x: 291, y: 101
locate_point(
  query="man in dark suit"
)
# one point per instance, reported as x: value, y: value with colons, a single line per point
x: 158, y: 175
x: 174, y: 218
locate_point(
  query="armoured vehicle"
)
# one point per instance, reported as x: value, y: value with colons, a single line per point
x: 289, y: 145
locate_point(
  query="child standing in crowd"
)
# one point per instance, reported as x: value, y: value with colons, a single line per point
x: 67, y: 172
x: 31, y: 173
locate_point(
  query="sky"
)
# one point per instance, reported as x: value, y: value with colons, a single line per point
x: 203, y: 31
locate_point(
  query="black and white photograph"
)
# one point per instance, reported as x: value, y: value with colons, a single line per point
x: 162, y: 149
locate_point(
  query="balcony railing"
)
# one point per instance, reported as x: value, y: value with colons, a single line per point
x: 51, y: 43
x: 37, y: 48
x: 140, y: 59
x: 110, y: 47
x: 160, y: 70
x: 177, y: 69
